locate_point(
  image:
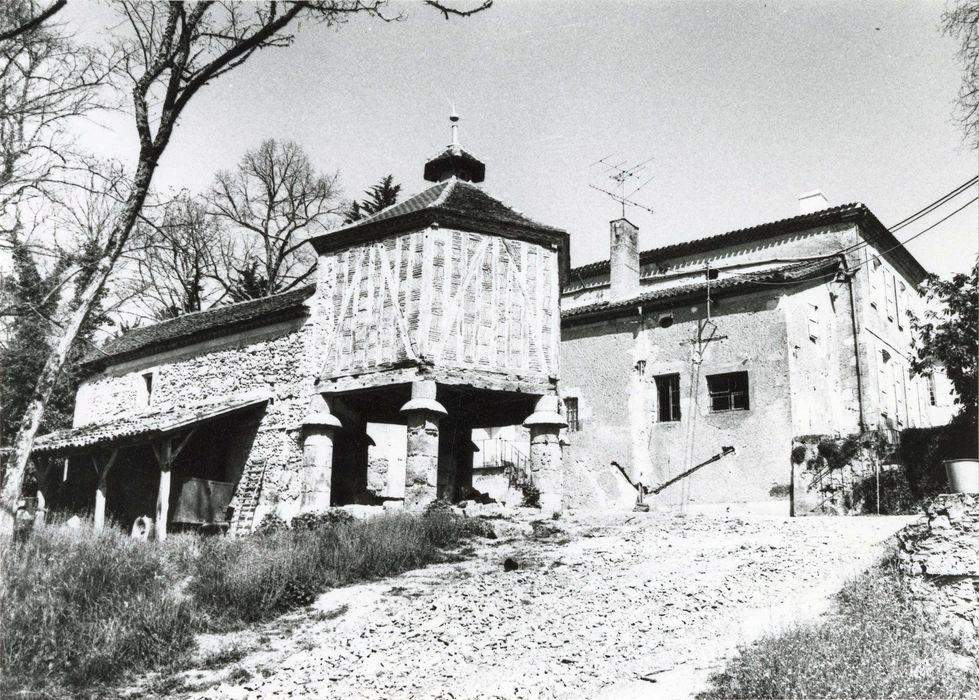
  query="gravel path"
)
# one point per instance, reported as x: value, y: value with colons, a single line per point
x: 593, y: 608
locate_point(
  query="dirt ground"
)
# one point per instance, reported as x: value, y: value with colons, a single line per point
x: 605, y: 606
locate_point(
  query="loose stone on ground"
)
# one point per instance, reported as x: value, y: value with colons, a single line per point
x: 610, y: 605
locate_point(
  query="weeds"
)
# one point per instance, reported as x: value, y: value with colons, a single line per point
x: 878, y: 644
x: 79, y: 610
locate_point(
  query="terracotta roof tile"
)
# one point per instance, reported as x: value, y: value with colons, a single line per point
x: 783, y: 274
x: 197, y: 326
x: 138, y: 428
x: 843, y: 212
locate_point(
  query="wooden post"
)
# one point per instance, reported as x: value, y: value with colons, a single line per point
x: 43, y: 482
x: 164, y: 456
x: 103, y: 474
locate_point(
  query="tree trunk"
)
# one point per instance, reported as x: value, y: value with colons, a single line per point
x: 31, y: 422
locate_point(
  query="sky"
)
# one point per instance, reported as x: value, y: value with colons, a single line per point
x: 741, y: 107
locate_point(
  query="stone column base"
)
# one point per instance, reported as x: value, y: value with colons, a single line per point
x: 546, y: 467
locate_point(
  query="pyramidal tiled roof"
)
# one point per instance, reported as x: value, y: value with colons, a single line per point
x: 453, y: 199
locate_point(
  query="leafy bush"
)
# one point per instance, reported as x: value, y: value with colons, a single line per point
x: 271, y: 523
x: 799, y: 454
x: 531, y: 496
x: 317, y: 521
x: 923, y: 451
x: 895, y: 494
x: 79, y: 609
x: 877, y: 644
x: 780, y: 490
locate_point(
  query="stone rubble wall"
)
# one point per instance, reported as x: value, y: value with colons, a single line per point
x: 280, y: 362
x: 942, y: 551
x: 824, y: 485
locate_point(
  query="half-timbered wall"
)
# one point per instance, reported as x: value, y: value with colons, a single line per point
x: 444, y: 297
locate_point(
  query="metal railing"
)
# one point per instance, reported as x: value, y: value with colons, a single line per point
x: 497, y: 453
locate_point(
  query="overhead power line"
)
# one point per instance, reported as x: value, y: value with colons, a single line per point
x: 865, y: 244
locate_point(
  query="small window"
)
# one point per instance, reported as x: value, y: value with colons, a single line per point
x: 641, y: 368
x: 571, y: 414
x: 728, y: 392
x: 668, y: 397
x: 932, y: 400
x: 148, y: 387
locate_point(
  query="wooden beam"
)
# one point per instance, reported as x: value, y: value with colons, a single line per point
x: 100, y: 489
x: 164, y: 457
x: 183, y: 443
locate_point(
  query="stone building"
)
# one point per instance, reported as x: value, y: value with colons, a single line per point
x: 748, y: 339
x: 440, y: 314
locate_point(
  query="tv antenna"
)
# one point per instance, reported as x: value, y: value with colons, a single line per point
x: 621, y: 173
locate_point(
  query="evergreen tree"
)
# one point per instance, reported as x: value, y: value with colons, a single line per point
x: 380, y: 196
x: 30, y: 299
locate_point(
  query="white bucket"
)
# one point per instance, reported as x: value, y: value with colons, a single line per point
x: 963, y: 475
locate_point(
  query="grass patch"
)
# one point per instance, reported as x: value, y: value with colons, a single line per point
x: 79, y: 611
x: 878, y: 643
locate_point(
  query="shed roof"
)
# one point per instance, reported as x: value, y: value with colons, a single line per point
x: 200, y: 325
x: 141, y: 428
x: 854, y: 212
x: 784, y: 274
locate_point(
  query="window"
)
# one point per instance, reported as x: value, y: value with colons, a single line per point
x: 899, y: 292
x: 668, y: 397
x: 931, y: 390
x: 873, y: 275
x: 641, y: 368
x: 890, y: 298
x: 571, y: 414
x: 148, y: 387
x: 728, y: 392
x: 813, y: 322
x: 883, y: 382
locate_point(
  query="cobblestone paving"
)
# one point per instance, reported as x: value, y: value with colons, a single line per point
x: 593, y: 609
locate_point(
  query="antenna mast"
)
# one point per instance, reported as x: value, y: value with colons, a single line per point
x: 621, y: 173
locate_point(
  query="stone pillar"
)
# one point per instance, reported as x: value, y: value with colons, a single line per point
x: 422, y: 415
x: 546, y: 471
x: 319, y: 428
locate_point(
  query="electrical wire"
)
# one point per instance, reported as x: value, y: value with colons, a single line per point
x: 858, y: 246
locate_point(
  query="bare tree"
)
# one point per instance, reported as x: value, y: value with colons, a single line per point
x: 272, y: 202
x: 171, y: 51
x: 961, y: 22
x: 175, y: 260
x: 45, y: 80
x: 24, y: 17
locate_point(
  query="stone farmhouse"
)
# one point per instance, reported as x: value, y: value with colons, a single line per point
x: 750, y: 339
x: 440, y: 313
x: 450, y: 313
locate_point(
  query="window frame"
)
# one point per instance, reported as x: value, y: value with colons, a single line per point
x: 672, y: 384
x: 571, y: 414
x: 731, y: 392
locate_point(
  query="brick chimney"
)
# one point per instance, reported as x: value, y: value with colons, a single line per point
x: 624, y: 244
x: 812, y: 202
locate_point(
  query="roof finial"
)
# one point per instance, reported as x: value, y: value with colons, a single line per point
x: 454, y: 118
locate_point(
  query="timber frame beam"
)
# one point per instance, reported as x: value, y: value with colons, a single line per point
x: 166, y: 453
